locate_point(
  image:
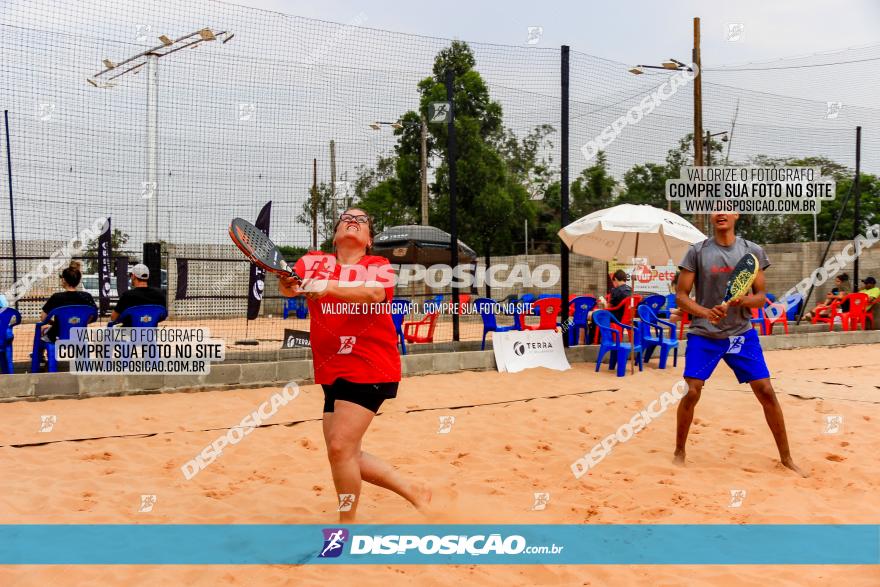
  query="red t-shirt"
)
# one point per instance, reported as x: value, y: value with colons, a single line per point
x: 349, y: 340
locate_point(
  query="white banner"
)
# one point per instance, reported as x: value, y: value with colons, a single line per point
x: 655, y: 279
x: 517, y: 350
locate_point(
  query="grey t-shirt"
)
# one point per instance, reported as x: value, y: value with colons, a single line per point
x: 712, y: 266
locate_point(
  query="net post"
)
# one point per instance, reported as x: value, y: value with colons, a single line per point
x: 564, y: 193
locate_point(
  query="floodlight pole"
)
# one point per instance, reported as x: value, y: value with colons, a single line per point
x: 150, y: 58
x: 152, y: 235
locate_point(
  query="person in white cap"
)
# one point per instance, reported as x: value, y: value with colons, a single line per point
x: 140, y: 294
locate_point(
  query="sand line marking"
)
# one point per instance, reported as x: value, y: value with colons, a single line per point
x: 291, y: 423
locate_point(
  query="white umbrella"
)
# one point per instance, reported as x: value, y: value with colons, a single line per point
x: 632, y: 231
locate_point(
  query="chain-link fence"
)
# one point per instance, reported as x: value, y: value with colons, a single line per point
x: 174, y: 118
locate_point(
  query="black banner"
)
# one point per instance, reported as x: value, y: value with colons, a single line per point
x: 182, y: 278
x: 256, y: 285
x: 121, y: 275
x: 104, y: 269
x: 296, y: 339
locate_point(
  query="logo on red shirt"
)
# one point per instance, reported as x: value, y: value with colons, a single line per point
x: 319, y: 267
x: 717, y: 269
x: 346, y: 345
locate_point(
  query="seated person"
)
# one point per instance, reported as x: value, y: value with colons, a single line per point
x: 871, y: 289
x: 71, y: 296
x: 620, y: 291
x: 838, y: 292
x: 140, y: 294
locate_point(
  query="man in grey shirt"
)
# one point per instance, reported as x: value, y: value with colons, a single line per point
x: 724, y: 331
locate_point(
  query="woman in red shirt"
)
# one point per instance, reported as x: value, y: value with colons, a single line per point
x: 354, y: 352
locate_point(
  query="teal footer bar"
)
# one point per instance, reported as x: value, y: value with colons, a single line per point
x: 243, y: 544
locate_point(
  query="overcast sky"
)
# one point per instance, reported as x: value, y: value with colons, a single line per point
x: 632, y: 31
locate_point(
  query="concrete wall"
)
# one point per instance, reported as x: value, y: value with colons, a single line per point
x: 231, y: 375
x: 791, y: 263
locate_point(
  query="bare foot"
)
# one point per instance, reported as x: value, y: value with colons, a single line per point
x: 790, y: 464
x: 678, y: 458
x: 421, y: 496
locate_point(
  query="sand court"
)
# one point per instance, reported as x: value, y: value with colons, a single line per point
x: 513, y: 435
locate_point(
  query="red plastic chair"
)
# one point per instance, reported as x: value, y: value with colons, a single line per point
x: 629, y: 310
x: 548, y: 309
x: 833, y: 312
x: 463, y: 301
x: 780, y: 319
x: 857, y: 315
x: 685, y: 320
x: 411, y: 330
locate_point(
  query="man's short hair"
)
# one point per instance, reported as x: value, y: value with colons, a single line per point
x: 619, y: 275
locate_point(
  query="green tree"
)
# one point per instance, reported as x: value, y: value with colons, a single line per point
x: 593, y: 189
x: 321, y: 205
x: 379, y: 192
x: 118, y: 239
x: 869, y: 208
x: 492, y: 200
x: 765, y: 228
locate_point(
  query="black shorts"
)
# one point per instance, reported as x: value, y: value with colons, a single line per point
x: 367, y: 395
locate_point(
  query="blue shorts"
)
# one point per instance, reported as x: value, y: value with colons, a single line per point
x: 742, y: 353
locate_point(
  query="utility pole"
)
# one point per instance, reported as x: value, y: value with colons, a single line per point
x: 314, y: 204
x: 423, y: 170
x: 708, y: 149
x: 698, y: 112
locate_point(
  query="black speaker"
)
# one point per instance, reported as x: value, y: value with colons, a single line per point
x: 153, y: 261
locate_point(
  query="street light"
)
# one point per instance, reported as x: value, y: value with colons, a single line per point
x: 423, y: 163
x: 150, y: 58
x: 671, y: 65
x: 724, y: 138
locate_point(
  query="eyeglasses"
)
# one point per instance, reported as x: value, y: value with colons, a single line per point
x: 359, y: 218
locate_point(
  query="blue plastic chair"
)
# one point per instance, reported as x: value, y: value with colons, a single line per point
x: 66, y: 317
x: 793, y: 305
x: 146, y: 316
x: 651, y: 328
x: 665, y: 312
x: 433, y: 302
x: 298, y: 305
x: 579, y: 319
x: 610, y: 341
x: 759, y: 320
x: 486, y: 309
x: 399, y: 309
x: 9, y: 317
x: 655, y: 302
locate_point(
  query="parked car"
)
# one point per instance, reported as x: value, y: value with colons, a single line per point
x: 90, y: 283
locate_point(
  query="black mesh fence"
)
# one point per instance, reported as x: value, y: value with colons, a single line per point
x: 250, y: 107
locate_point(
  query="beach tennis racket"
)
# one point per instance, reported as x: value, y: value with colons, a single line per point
x: 741, y: 279
x: 257, y: 247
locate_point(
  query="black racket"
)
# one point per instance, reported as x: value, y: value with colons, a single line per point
x: 741, y: 279
x: 257, y: 247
